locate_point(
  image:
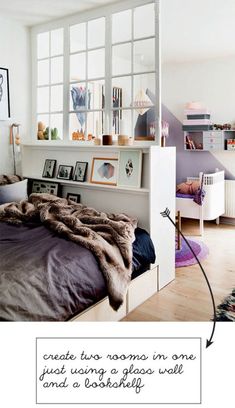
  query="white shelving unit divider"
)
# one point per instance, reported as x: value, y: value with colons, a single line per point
x: 156, y: 193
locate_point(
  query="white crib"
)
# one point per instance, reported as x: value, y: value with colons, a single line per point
x: 214, y: 202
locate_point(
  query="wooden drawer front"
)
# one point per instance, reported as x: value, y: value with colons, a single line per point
x: 213, y: 134
x: 141, y: 288
x: 213, y: 139
x: 102, y: 312
x: 212, y: 146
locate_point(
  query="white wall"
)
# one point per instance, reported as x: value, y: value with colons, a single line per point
x: 210, y: 81
x: 14, y: 55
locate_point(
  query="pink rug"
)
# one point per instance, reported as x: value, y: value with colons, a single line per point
x: 184, y: 256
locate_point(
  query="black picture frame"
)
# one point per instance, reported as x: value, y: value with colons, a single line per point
x: 48, y: 187
x: 64, y: 172
x: 5, y: 112
x: 80, y: 171
x: 74, y: 197
x: 49, y: 168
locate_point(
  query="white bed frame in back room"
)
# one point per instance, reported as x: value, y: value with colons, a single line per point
x: 157, y: 192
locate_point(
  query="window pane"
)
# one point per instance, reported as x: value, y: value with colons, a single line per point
x: 95, y: 123
x: 56, y: 128
x: 77, y: 67
x: 144, y: 55
x: 122, y: 20
x: 145, y: 85
x: 57, y: 98
x: 43, y: 72
x: 144, y: 21
x: 96, y: 95
x: 78, y: 37
x: 43, y: 127
x: 43, y: 100
x: 96, y: 64
x: 121, y: 59
x: 96, y: 33
x: 78, y: 97
x: 121, y: 94
x: 57, y: 70
x: 57, y: 42
x: 121, y: 122
x: 43, y: 45
x: 145, y: 125
x: 76, y: 131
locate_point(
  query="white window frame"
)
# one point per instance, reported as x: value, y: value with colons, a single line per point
x: 65, y: 23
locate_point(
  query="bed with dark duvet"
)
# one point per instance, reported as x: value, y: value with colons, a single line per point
x: 47, y: 277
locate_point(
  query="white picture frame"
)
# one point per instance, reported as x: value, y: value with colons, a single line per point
x: 130, y: 168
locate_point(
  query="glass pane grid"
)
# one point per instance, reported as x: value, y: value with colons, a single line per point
x: 140, y: 60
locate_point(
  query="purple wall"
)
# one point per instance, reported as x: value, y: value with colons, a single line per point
x: 189, y: 163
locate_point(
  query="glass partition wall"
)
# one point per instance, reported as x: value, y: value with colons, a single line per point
x: 98, y: 73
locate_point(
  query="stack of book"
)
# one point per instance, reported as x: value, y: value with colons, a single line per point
x: 197, y: 120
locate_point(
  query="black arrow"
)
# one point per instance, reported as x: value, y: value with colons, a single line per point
x: 166, y: 213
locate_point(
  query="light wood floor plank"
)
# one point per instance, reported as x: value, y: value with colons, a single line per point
x: 187, y: 297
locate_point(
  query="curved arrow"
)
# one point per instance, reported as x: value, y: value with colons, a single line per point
x: 166, y: 214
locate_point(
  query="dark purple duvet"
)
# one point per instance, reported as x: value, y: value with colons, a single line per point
x: 44, y: 277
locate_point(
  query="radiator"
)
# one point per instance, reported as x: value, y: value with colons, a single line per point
x: 229, y: 199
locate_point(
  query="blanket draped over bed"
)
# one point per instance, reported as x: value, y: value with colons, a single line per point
x: 108, y: 236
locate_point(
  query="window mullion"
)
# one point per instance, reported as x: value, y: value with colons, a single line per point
x: 66, y: 87
x: 49, y: 124
x: 108, y: 74
x: 158, y: 106
x: 132, y: 71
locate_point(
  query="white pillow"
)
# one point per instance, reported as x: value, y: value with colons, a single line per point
x: 13, y: 192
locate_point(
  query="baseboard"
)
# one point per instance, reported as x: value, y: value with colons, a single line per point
x: 227, y: 220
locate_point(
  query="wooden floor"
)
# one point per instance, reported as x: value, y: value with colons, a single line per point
x: 187, y: 297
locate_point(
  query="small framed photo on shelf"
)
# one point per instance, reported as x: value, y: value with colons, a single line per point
x: 49, y: 168
x: 104, y: 171
x: 80, y: 171
x: 130, y: 168
x: 74, y: 197
x: 64, y: 172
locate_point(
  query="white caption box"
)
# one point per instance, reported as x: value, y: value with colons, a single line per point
x: 118, y: 370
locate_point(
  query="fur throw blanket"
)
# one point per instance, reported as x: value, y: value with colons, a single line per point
x: 108, y: 236
x: 4, y: 179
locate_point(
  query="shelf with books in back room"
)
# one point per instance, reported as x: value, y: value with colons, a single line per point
x: 200, y: 134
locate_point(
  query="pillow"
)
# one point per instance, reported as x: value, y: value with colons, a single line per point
x: 13, y: 192
x: 190, y: 187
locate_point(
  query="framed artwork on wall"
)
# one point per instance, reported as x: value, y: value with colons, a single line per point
x: 4, y: 94
x: 80, y: 171
x: 130, y: 168
x: 49, y: 187
x: 49, y: 168
x: 104, y: 171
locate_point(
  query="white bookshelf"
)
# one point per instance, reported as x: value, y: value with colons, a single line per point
x: 157, y: 190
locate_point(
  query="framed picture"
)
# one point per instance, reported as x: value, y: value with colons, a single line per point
x: 104, y: 171
x: 49, y: 168
x: 39, y: 186
x: 130, y: 168
x: 64, y: 172
x: 80, y: 171
x: 74, y: 197
x: 4, y: 94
